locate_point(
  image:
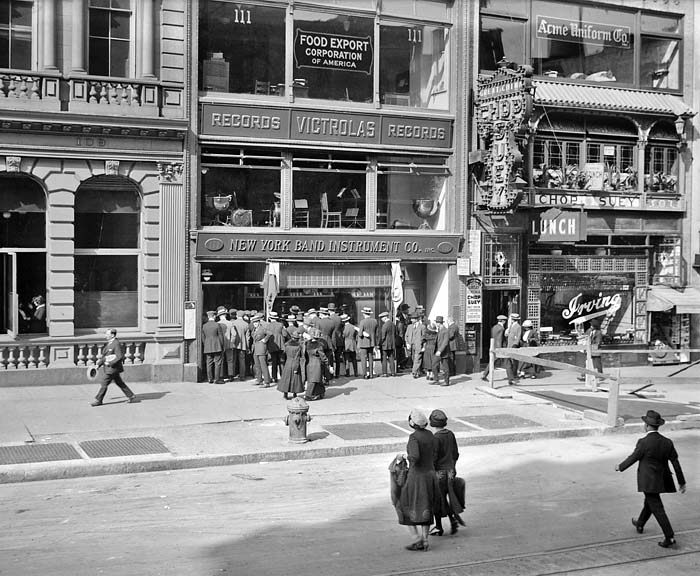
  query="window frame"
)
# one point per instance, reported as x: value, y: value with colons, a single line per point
x: 130, y: 72
x: 33, y: 37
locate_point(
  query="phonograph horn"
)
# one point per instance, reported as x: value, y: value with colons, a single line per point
x: 92, y: 372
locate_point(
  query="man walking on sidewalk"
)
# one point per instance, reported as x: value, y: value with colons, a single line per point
x: 112, y: 358
x: 654, y: 452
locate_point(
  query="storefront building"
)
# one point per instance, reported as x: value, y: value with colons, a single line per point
x: 597, y: 223
x: 327, y: 166
x: 92, y: 227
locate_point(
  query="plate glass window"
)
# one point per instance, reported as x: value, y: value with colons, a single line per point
x: 109, y: 30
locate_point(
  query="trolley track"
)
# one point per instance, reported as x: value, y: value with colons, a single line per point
x: 567, y: 560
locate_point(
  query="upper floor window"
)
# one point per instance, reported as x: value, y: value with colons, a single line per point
x: 109, y: 32
x: 584, y: 43
x: 16, y: 34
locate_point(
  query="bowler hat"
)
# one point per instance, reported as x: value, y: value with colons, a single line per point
x: 653, y: 418
x: 501, y: 317
x: 439, y: 319
x: 438, y: 418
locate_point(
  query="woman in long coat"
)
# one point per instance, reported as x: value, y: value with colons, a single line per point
x: 429, y: 341
x: 316, y: 366
x: 419, y: 496
x: 292, y: 379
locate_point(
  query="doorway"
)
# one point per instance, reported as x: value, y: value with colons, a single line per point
x: 497, y: 302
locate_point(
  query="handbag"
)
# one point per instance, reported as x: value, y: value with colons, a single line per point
x: 399, y: 470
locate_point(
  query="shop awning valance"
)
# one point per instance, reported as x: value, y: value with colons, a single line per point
x: 591, y: 97
x: 663, y: 299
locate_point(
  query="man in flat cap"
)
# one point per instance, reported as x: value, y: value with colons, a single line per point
x: 498, y: 331
x: 654, y: 452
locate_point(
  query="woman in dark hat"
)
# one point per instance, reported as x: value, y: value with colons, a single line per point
x: 316, y: 366
x: 429, y: 341
x: 418, y: 501
x: 446, y: 455
x: 292, y: 378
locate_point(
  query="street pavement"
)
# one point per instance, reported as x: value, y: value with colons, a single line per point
x: 51, y: 432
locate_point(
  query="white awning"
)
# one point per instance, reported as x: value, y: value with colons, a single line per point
x: 685, y: 300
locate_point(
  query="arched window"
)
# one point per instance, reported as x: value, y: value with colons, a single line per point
x: 22, y: 255
x: 107, y: 251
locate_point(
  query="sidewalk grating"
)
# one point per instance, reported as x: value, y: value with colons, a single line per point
x: 123, y: 447
x: 28, y: 453
x: 499, y: 421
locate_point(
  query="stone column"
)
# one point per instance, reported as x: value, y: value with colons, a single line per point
x: 49, y: 35
x: 78, y: 39
x: 172, y: 247
x: 145, y: 39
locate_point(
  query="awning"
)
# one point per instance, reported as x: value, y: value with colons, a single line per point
x: 592, y: 97
x: 663, y: 299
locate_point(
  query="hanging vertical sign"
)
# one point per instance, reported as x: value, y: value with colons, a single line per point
x: 474, y: 291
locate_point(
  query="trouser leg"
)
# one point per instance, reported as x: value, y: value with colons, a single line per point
x: 445, y: 366
x: 263, y: 372
x: 417, y: 360
x: 657, y: 509
x: 645, y: 514
x: 124, y: 388
x: 218, y: 361
x: 103, y: 387
x: 275, y: 363
x: 210, y: 367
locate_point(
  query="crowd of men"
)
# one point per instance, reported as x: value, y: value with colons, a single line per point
x: 238, y: 344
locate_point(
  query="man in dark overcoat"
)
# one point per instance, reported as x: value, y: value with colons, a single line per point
x: 498, y: 331
x: 387, y: 344
x: 275, y: 344
x: 442, y: 351
x: 366, y: 341
x: 112, y: 358
x: 654, y: 452
x: 213, y: 337
x: 336, y: 338
x: 349, y: 344
x: 454, y: 337
x: 261, y: 336
x: 327, y: 327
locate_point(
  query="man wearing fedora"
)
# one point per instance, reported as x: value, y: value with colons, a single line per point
x: 366, y: 341
x: 654, y: 452
x: 112, y: 358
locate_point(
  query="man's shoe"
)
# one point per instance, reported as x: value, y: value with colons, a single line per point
x: 132, y: 399
x: 220, y: 381
x: 513, y: 382
x: 668, y: 543
x: 484, y: 378
x: 445, y: 384
x: 96, y: 403
x: 638, y: 526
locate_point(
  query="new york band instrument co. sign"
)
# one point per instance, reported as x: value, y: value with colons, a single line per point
x: 504, y: 103
x: 242, y: 246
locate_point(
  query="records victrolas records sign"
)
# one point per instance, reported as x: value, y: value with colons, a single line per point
x: 333, y: 51
x: 474, y: 288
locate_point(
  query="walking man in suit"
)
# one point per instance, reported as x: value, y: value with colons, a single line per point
x: 498, y: 334
x: 366, y: 341
x: 654, y: 452
x: 112, y: 358
x: 213, y: 342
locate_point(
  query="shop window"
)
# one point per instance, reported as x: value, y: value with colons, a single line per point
x: 413, y: 67
x: 509, y: 8
x: 667, y: 261
x: 501, y: 38
x: 241, y: 188
x: 242, y: 47
x: 329, y: 192
x: 109, y: 38
x: 411, y: 193
x: 437, y: 10
x: 661, y: 168
x: 333, y: 56
x: 502, y: 257
x: 22, y: 213
x: 660, y: 50
x: 107, y: 241
x: 16, y: 34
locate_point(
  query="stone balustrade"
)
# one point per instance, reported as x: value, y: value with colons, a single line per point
x: 28, y: 356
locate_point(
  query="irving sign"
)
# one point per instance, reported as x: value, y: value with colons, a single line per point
x: 556, y: 225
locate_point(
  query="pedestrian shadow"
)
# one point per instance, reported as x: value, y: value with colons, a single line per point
x: 151, y: 395
x: 333, y: 392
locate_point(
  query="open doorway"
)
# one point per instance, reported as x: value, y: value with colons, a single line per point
x: 497, y: 302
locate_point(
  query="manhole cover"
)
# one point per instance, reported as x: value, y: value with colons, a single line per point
x: 365, y: 431
x: 27, y: 453
x: 499, y: 421
x: 123, y: 447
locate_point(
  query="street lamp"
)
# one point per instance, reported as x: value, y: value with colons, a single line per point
x: 681, y: 123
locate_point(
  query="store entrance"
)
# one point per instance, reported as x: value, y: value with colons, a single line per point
x: 23, y: 279
x: 496, y: 302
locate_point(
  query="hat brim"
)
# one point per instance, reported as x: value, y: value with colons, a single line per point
x: 659, y: 422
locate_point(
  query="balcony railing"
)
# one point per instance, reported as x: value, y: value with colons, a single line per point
x: 29, y: 356
x: 90, y: 94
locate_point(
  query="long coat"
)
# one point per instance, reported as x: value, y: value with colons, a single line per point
x: 276, y: 340
x: 315, y: 361
x: 242, y: 342
x: 420, y: 495
x: 654, y: 452
x: 212, y: 337
x: 429, y: 342
x: 367, y: 326
x: 350, y: 337
x: 387, y: 336
x: 292, y: 378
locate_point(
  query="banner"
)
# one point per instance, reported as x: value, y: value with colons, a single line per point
x: 271, y: 285
x: 396, y: 286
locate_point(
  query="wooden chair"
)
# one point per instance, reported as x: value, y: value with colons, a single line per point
x: 301, y: 212
x: 329, y: 219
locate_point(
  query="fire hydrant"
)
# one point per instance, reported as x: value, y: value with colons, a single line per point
x: 296, y: 419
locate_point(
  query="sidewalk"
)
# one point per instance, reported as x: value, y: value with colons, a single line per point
x: 50, y: 432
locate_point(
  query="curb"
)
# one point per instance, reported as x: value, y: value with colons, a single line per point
x: 16, y: 473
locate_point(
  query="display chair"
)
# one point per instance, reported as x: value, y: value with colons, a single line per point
x: 301, y: 212
x: 329, y: 219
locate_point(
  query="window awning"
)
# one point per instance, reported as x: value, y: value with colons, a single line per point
x: 663, y: 299
x: 591, y: 97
